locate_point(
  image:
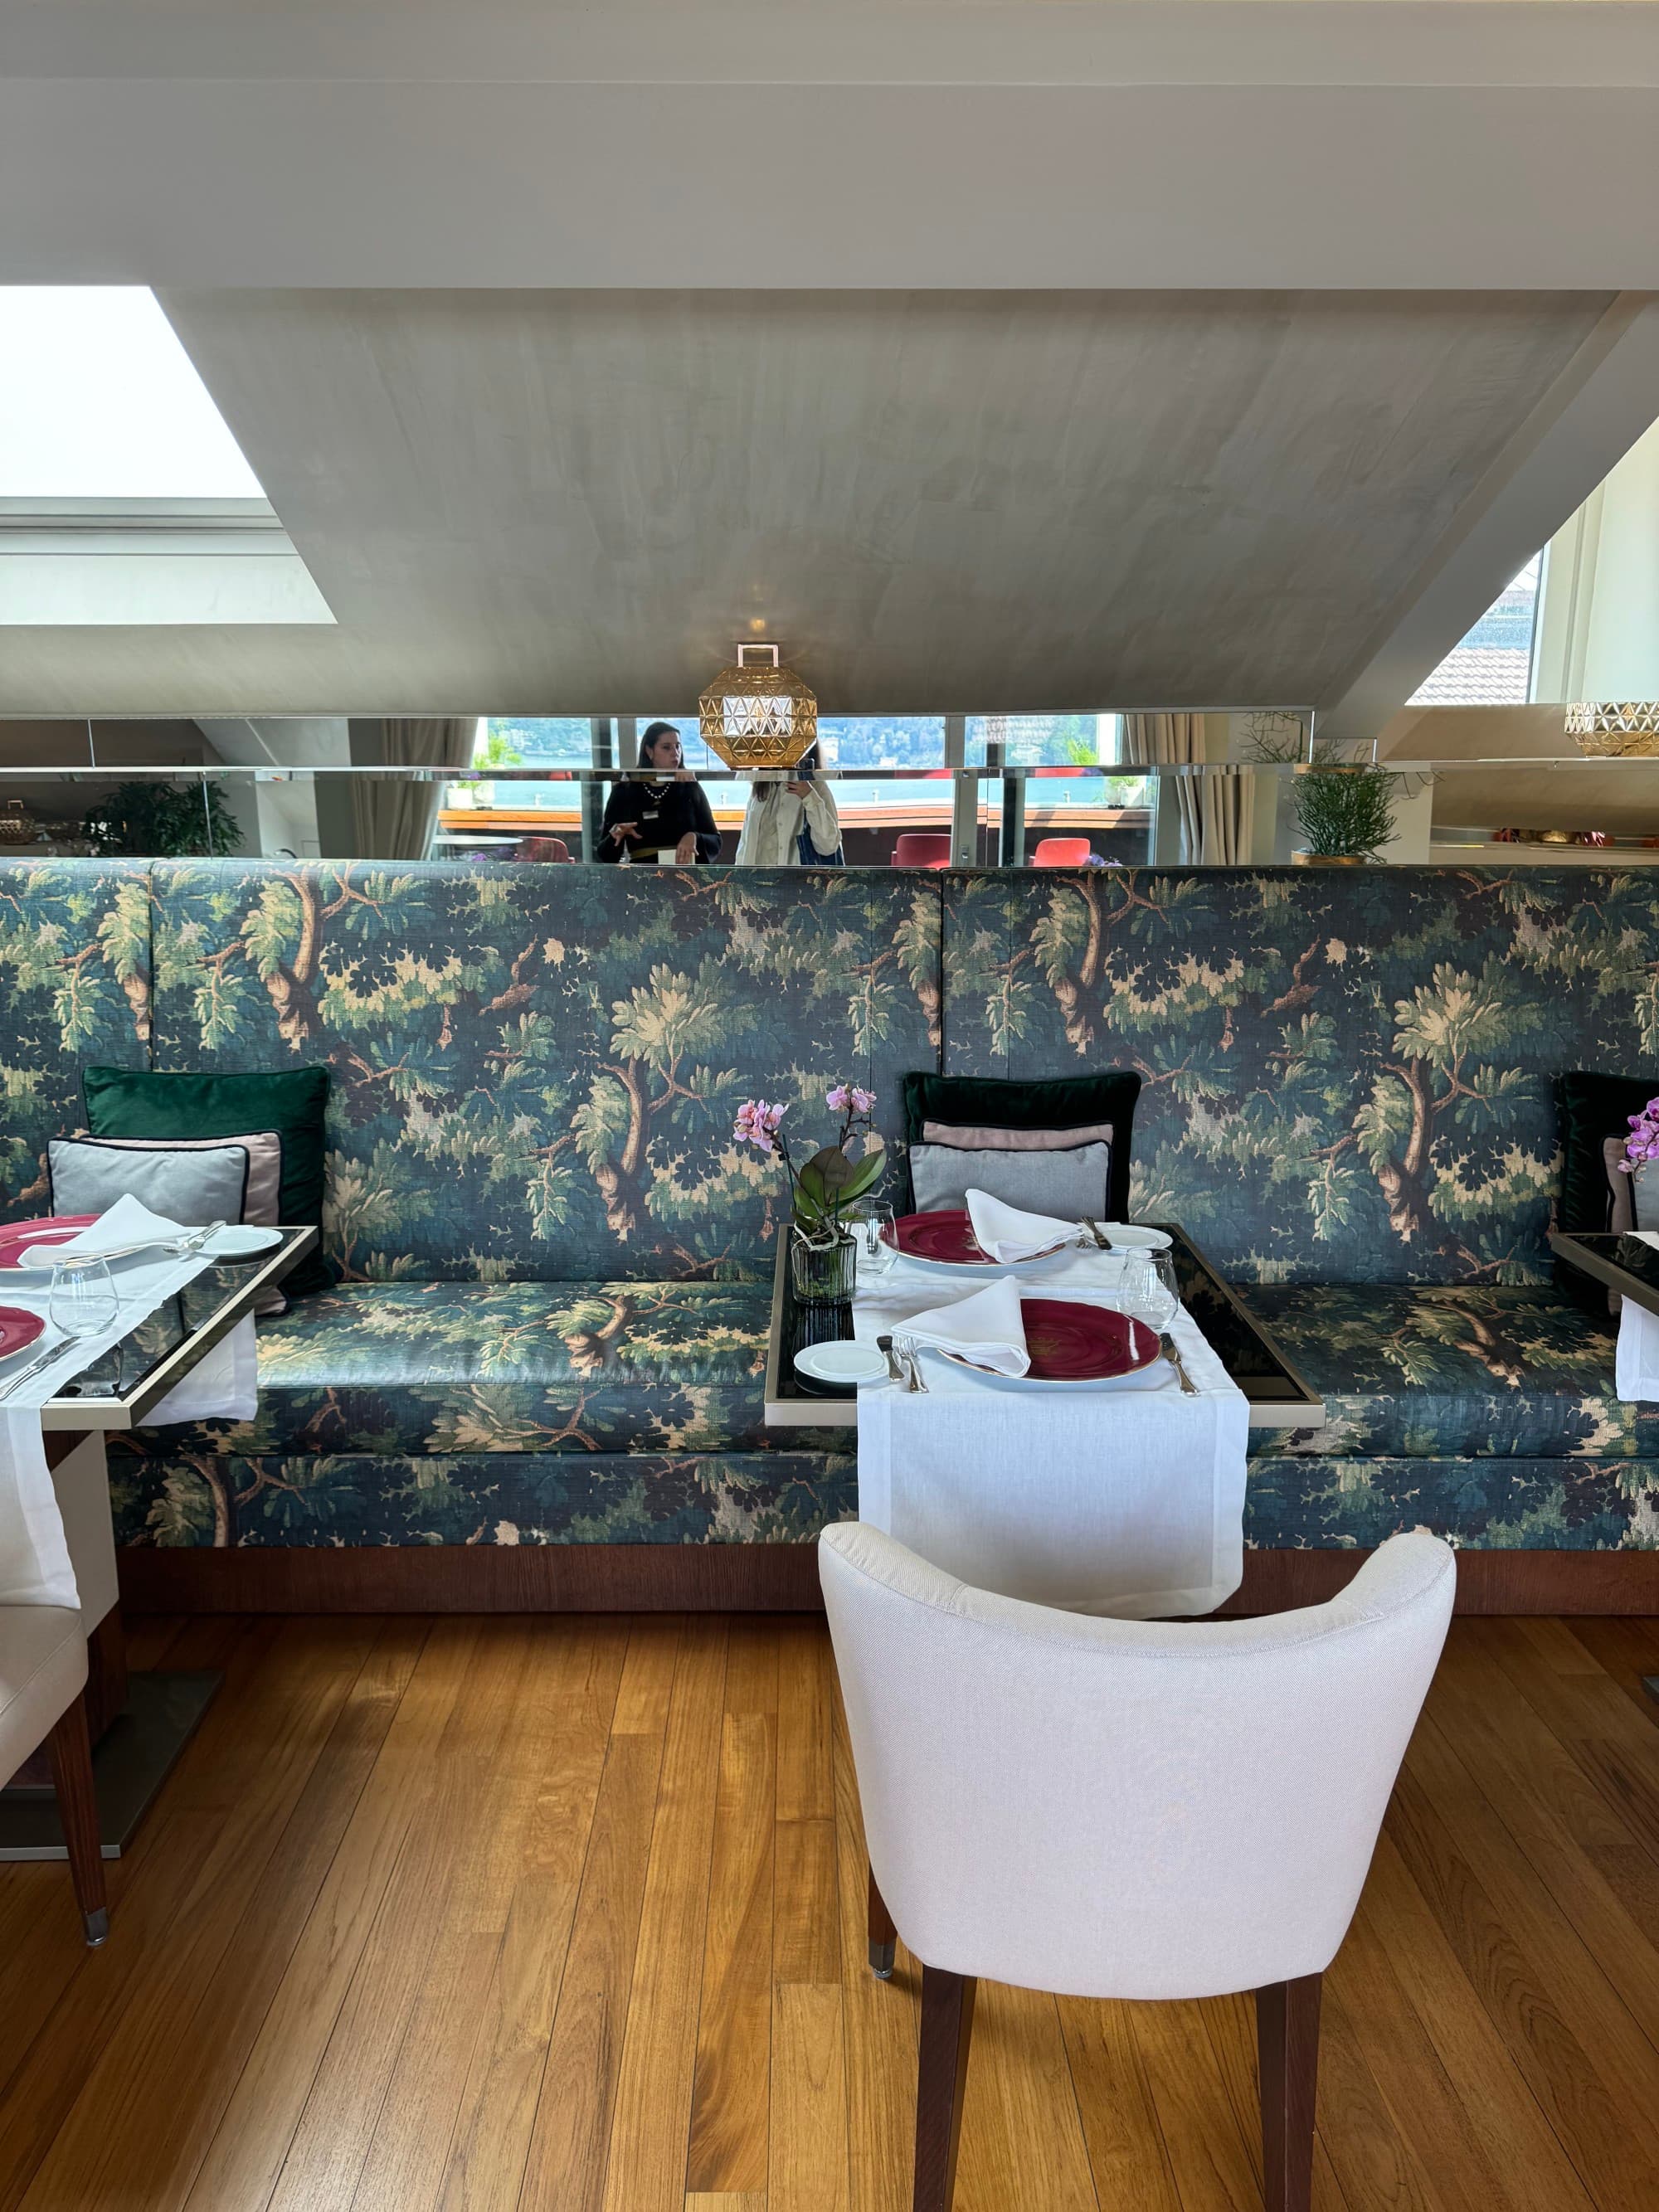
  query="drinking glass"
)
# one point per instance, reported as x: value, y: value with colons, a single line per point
x: 871, y: 1220
x: 1148, y: 1292
x: 82, y: 1302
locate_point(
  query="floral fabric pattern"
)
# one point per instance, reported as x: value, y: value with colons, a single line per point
x: 75, y: 991
x: 210, y: 1499
x: 1426, y: 1372
x: 1292, y: 1503
x: 207, y: 1499
x: 558, y: 1258
x: 507, y: 1367
x: 1348, y: 1075
x: 536, y: 1068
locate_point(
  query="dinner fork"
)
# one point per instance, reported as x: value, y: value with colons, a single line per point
x: 170, y: 1248
x: 907, y: 1353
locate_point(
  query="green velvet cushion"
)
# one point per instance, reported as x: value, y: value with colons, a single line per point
x: 1592, y: 1107
x: 124, y: 1101
x: 1064, y: 1102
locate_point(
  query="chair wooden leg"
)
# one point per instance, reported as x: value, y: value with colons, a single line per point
x: 1287, y: 2046
x: 947, y: 2027
x: 70, y: 1748
x: 883, y: 1936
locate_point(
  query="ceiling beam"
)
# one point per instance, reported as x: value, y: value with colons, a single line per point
x: 1417, y: 145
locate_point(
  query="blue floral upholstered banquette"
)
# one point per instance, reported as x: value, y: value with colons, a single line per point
x: 555, y: 1265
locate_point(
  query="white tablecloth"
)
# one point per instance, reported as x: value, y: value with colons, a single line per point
x: 35, y: 1561
x: 1128, y: 1500
x: 1636, y: 1368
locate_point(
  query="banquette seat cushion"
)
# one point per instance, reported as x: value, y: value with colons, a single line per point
x: 1438, y: 1372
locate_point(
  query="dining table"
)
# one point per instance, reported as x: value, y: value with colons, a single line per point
x: 1028, y: 1433
x: 139, y: 1720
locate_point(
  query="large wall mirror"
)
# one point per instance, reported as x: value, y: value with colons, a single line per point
x: 1218, y: 788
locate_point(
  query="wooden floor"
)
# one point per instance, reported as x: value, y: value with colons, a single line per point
x: 568, y: 1912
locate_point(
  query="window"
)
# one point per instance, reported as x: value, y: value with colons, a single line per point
x: 99, y: 400
x: 1493, y: 666
x: 123, y: 497
x: 1065, y: 747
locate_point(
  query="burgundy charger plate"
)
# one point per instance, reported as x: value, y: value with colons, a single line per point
x: 18, y: 1329
x: 16, y: 1236
x: 1071, y: 1343
x: 947, y: 1238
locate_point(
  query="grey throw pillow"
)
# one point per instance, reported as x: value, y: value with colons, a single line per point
x: 191, y: 1187
x: 1072, y: 1183
x: 190, y: 1180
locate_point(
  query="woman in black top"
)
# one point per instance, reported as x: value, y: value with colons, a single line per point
x: 662, y: 808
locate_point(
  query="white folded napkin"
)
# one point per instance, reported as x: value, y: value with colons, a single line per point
x: 127, y: 1222
x: 987, y: 1327
x: 1008, y: 1232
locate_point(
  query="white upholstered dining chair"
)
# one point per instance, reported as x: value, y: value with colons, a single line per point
x: 43, y: 1677
x: 1108, y: 1808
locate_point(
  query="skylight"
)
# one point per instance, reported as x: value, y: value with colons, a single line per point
x: 99, y: 400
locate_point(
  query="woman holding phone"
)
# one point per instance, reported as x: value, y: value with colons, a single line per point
x: 792, y: 820
x: 661, y: 808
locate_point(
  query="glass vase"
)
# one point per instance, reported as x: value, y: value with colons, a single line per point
x: 823, y: 1266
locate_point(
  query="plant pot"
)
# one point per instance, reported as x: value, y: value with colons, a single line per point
x: 1330, y: 859
x: 822, y: 1268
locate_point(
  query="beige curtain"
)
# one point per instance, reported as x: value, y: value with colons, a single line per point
x: 395, y: 817
x: 1215, y: 808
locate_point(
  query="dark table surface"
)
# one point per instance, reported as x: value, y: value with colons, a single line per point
x: 1279, y: 1397
x: 118, y: 1389
x: 1623, y: 1263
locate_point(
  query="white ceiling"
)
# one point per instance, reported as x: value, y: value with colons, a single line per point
x: 485, y: 348
x: 1182, y: 143
x: 573, y: 502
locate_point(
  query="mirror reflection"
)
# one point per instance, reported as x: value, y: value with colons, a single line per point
x: 1505, y: 784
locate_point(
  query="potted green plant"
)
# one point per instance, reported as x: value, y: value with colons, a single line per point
x: 1344, y: 809
x: 1344, y: 812
x: 163, y: 821
x: 821, y: 1189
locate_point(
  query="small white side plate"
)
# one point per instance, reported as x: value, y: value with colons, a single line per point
x: 843, y: 1364
x: 1130, y: 1236
x: 241, y: 1240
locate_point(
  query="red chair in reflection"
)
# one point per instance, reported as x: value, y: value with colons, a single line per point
x: 1062, y: 853
x: 918, y: 848
x: 540, y: 848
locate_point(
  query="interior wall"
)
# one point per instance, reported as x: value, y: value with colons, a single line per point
x: 1599, y: 615
x: 51, y: 798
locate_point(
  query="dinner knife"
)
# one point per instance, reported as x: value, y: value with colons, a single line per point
x: 41, y: 1360
x: 1167, y: 1345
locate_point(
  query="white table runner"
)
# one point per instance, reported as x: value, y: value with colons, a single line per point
x: 1635, y: 1368
x: 35, y: 1561
x: 1126, y: 1501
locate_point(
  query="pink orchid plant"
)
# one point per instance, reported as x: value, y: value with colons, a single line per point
x: 822, y: 1186
x: 1642, y: 1143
